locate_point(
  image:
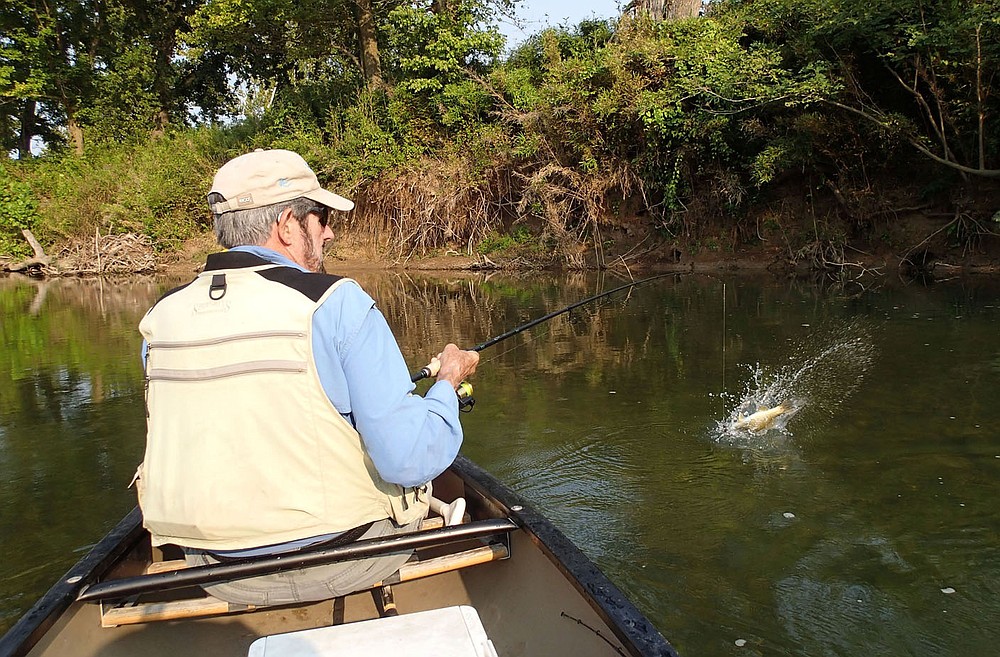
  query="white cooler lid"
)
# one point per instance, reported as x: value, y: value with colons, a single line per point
x: 448, y: 632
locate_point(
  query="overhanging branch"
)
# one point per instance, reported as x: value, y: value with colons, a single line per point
x: 984, y: 173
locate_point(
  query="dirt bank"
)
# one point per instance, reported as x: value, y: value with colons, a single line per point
x: 915, y: 245
x: 912, y: 243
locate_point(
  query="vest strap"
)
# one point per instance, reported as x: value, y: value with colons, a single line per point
x: 218, y: 288
x: 343, y: 538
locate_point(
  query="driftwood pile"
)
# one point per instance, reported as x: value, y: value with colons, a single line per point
x: 129, y: 253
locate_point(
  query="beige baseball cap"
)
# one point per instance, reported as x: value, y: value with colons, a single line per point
x: 264, y: 178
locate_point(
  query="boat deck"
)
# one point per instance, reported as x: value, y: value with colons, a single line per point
x: 546, y: 599
x: 521, y: 602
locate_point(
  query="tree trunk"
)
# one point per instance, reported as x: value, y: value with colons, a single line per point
x: 665, y: 9
x: 440, y: 7
x: 371, y: 63
x: 27, y: 129
x: 162, y: 120
x: 980, y: 97
x: 683, y: 9
x: 164, y: 84
x: 75, y: 132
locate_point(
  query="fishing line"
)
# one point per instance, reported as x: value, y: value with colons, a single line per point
x: 529, y: 338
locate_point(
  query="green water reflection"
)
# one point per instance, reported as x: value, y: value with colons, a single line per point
x: 844, y: 537
x: 70, y: 424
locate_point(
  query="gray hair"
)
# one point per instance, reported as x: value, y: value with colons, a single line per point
x: 252, y: 227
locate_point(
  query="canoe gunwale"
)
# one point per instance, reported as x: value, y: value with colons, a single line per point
x: 235, y: 570
x: 631, y: 627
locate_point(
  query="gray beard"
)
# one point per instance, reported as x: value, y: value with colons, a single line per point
x: 314, y: 260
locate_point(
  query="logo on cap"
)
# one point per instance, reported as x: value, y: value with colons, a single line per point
x: 246, y: 199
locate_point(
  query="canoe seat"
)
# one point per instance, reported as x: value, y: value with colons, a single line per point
x: 130, y: 611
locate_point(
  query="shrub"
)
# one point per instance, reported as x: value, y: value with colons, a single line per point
x: 18, y: 211
x: 157, y: 189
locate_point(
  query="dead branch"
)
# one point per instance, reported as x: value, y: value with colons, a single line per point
x: 38, y: 262
x: 130, y: 253
x: 986, y: 173
x: 828, y: 256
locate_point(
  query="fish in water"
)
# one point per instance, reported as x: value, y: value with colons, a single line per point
x: 764, y: 418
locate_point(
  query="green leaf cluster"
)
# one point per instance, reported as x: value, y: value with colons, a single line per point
x: 18, y: 211
x: 158, y: 190
x: 672, y: 101
x: 431, y: 51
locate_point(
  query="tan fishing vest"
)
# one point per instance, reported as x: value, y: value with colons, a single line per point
x: 244, y: 448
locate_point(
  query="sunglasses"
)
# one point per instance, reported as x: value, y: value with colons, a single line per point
x: 322, y: 213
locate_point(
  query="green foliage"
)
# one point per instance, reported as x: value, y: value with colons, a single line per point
x: 498, y: 243
x: 125, y: 105
x: 88, y: 71
x: 668, y: 100
x: 434, y: 53
x: 157, y: 190
x: 298, y: 54
x: 18, y: 210
x: 250, y: 34
x: 372, y: 137
x: 464, y: 102
x: 921, y: 72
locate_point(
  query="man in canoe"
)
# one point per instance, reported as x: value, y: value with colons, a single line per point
x: 280, y: 413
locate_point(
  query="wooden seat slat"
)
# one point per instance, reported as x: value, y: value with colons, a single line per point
x: 211, y: 606
x: 149, y: 612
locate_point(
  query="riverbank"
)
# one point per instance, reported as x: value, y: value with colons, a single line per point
x: 920, y: 246
x: 785, y: 238
x: 724, y: 141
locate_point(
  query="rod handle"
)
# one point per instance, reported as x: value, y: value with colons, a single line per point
x: 427, y: 371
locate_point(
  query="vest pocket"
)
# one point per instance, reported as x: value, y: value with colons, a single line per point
x: 410, y: 504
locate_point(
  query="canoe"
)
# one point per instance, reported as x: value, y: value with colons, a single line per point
x: 503, y: 581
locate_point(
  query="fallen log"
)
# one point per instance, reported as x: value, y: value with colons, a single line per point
x: 38, y: 261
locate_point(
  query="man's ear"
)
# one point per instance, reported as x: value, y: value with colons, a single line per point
x: 285, y: 226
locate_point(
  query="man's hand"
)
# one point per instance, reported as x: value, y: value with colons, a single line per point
x: 456, y: 364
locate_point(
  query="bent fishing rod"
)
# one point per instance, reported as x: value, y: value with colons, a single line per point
x: 430, y: 370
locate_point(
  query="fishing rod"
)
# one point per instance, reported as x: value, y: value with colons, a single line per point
x: 465, y: 389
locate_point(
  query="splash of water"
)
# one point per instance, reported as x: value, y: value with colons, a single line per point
x: 821, y: 373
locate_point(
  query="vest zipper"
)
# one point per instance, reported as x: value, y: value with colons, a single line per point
x: 145, y: 376
x: 208, y: 374
x: 208, y: 342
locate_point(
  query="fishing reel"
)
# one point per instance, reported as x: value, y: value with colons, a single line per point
x: 465, y: 399
x: 464, y: 390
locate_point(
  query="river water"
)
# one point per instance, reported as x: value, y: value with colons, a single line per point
x: 866, y: 523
